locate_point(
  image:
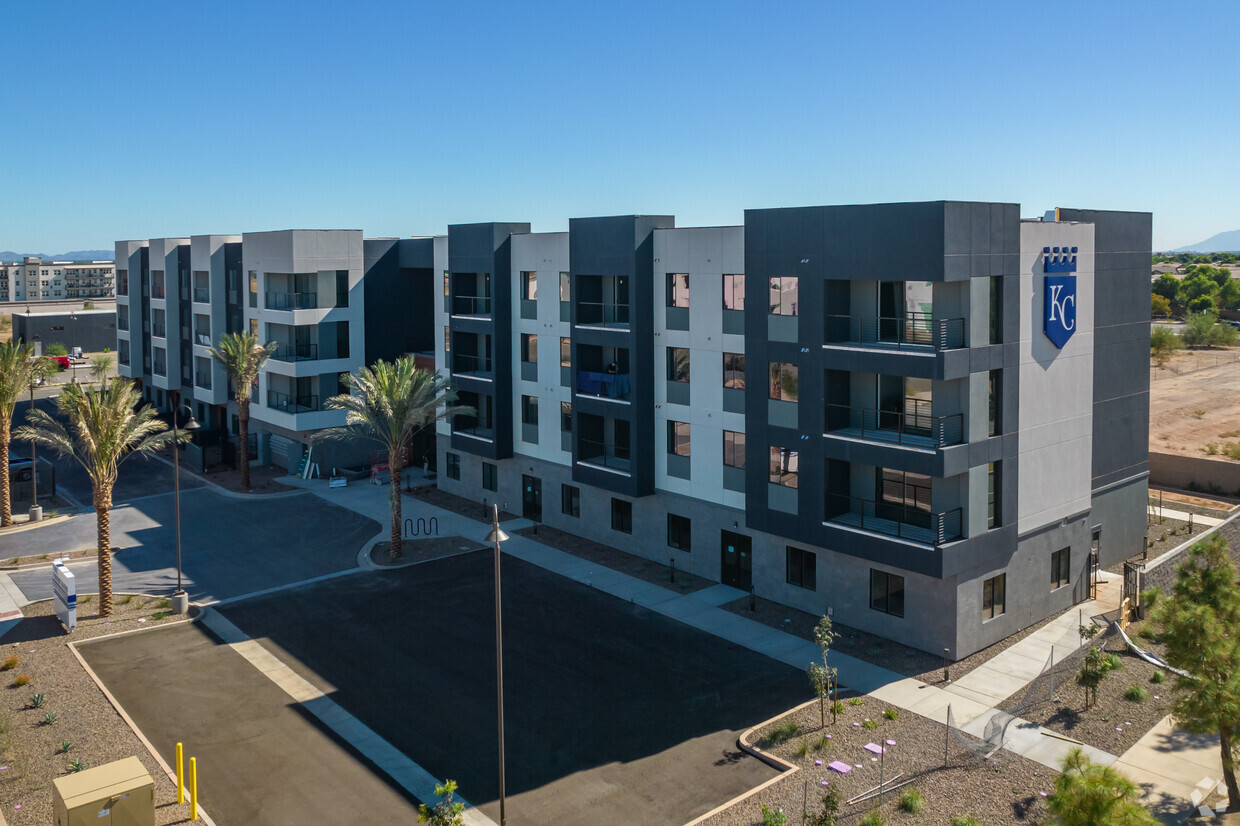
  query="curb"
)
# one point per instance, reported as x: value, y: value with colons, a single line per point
x: 232, y: 494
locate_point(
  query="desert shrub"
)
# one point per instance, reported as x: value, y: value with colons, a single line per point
x: 912, y: 802
x: 10, y: 662
x: 890, y: 713
x: 1158, y: 677
x: 802, y: 749
x: 965, y: 820
x: 1136, y: 694
x: 55, y: 349
x: 773, y: 817
x: 20, y: 680
x: 873, y: 819
x: 784, y: 732
x: 855, y: 701
x: 870, y: 724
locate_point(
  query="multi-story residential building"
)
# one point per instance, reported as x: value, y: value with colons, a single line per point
x: 35, y: 280
x: 927, y: 420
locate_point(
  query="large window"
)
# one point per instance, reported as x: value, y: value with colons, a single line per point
x: 994, y: 593
x: 734, y: 371
x: 783, y: 295
x: 454, y: 465
x: 887, y: 592
x: 783, y: 467
x: 566, y: 352
x: 734, y: 292
x: 996, y: 310
x: 677, y: 363
x: 490, y: 478
x: 566, y: 417
x: 996, y: 402
x: 529, y: 285
x: 783, y: 381
x: 678, y: 438
x: 570, y: 500
x: 564, y: 288
x: 529, y: 410
x: 678, y: 532
x: 1060, y: 560
x: 802, y: 568
x: 678, y: 289
x: 621, y: 516
x: 734, y: 449
x: 253, y: 278
x: 529, y: 348
x: 992, y: 495
x: 904, y: 489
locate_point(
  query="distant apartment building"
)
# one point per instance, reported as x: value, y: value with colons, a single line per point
x: 35, y: 280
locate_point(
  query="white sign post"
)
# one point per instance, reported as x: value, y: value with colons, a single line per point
x: 64, y: 590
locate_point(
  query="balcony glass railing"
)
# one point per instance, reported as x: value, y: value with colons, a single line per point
x: 597, y: 314
x: 203, y: 380
x: 915, y: 331
x: 478, y: 366
x: 292, y: 404
x: 604, y: 454
x: 161, y: 368
x: 202, y: 338
x: 292, y: 301
x: 202, y: 295
x: 296, y: 352
x: 471, y: 305
x: 159, y: 331
x: 603, y: 385
x: 482, y: 431
x: 913, y: 425
x: 894, y: 519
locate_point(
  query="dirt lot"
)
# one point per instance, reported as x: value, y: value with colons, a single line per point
x: 1195, y: 400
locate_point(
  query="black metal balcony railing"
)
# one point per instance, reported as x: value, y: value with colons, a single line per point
x: 598, y: 314
x: 467, y: 365
x: 893, y: 519
x: 202, y: 295
x: 296, y: 352
x: 916, y: 331
x: 913, y: 425
x: 292, y: 404
x: 471, y: 305
x: 604, y: 385
x: 292, y: 301
x: 604, y: 454
x: 158, y: 330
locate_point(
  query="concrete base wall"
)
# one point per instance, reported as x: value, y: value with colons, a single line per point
x: 1195, y: 472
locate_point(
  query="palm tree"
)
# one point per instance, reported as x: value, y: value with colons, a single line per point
x: 389, y: 403
x: 99, y: 367
x: 18, y: 371
x: 103, y: 431
x: 243, y: 357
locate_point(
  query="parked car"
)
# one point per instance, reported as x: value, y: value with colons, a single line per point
x: 20, y: 470
x: 63, y: 361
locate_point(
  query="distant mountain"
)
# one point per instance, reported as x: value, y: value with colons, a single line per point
x: 1223, y: 242
x: 9, y: 257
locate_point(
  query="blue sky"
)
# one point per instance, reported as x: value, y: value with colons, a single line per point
x: 134, y: 120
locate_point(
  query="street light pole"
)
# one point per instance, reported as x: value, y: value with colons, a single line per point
x: 36, y: 512
x: 497, y: 536
x: 180, y: 599
x: 73, y: 334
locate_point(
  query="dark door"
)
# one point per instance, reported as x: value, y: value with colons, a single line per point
x: 891, y: 311
x: 736, y: 560
x: 531, y: 498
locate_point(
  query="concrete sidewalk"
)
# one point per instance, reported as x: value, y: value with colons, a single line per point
x: 1184, y: 516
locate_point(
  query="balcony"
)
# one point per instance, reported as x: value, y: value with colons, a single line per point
x: 603, y: 454
x: 157, y: 291
x: 603, y: 385
x: 471, y: 305
x: 916, y: 331
x: 292, y: 301
x: 913, y: 426
x: 292, y: 404
x: 476, y: 431
x: 600, y: 314
x: 122, y: 359
x: 202, y: 295
x: 892, y: 519
x: 203, y: 339
x: 479, y: 367
x: 296, y: 352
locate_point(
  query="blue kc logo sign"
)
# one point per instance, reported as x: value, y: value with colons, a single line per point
x: 1059, y: 308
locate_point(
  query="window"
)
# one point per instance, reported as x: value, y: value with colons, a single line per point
x: 529, y: 348
x: 996, y: 402
x: 783, y: 467
x: 566, y: 417
x: 784, y: 295
x: 734, y: 371
x: 253, y: 326
x: 992, y: 495
x: 529, y: 285
x: 570, y: 500
x: 887, y: 592
x: 446, y: 284
x: 678, y: 438
x: 783, y: 381
x: 342, y: 339
x: 454, y: 466
x: 734, y: 449
x: 253, y: 288
x: 802, y: 568
x: 903, y: 489
x: 678, y: 532
x: 996, y: 310
x: 1059, y: 567
x: 993, y: 596
x: 678, y: 289
x: 733, y: 292
x: 447, y: 340
x: 529, y: 410
x: 566, y: 352
x: 490, y: 479
x: 565, y: 290
x: 621, y: 516
x: 677, y: 363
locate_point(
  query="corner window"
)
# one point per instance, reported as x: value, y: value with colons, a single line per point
x: 529, y: 286
x: 677, y: 363
x: 784, y: 381
x: 454, y: 466
x: 621, y: 516
x: 490, y: 478
x: 887, y: 592
x: 734, y: 292
x: 678, y: 532
x: 1060, y: 560
x: 734, y: 371
x: 529, y: 348
x: 734, y: 449
x: 564, y: 288
x: 566, y: 352
x: 801, y: 568
x: 678, y: 438
x: 570, y: 500
x: 784, y: 295
x: 678, y: 289
x: 529, y: 410
x: 783, y: 467
x: 994, y: 593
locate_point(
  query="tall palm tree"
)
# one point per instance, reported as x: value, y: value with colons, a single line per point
x: 99, y: 367
x: 243, y: 357
x: 18, y: 370
x: 104, y: 430
x: 389, y: 403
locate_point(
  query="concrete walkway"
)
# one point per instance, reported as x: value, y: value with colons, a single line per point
x: 1183, y: 516
x: 1173, y: 766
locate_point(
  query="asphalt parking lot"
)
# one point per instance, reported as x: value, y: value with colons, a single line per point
x: 614, y: 714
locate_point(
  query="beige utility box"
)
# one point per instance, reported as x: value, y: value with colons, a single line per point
x: 115, y: 794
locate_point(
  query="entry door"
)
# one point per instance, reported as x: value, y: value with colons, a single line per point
x: 736, y: 560
x: 890, y: 311
x: 531, y: 498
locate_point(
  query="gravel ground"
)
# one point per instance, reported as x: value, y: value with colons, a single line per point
x: 458, y: 504
x: 1006, y: 792
x: 1189, y: 503
x: 86, y: 718
x: 647, y: 570
x: 423, y: 550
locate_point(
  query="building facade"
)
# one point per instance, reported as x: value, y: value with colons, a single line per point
x: 926, y: 420
x: 35, y: 280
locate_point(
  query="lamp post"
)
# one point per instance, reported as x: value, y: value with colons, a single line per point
x: 180, y: 599
x: 497, y: 536
x: 73, y: 335
x: 36, y: 512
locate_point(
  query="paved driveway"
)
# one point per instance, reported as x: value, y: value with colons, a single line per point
x: 229, y: 546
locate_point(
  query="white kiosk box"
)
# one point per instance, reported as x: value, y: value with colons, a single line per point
x: 64, y: 591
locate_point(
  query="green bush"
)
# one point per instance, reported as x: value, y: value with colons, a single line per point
x: 10, y: 662
x: 802, y: 749
x: 1163, y: 343
x: 855, y: 701
x: 784, y: 732
x: 912, y: 802
x: 1114, y: 663
x: 1158, y: 677
x: 870, y: 724
x: 873, y: 819
x: 890, y: 713
x: 773, y: 817
x: 1136, y: 694
x: 55, y: 349
x: 965, y: 820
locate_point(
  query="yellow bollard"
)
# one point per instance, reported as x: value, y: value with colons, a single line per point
x: 180, y: 775
x: 193, y: 788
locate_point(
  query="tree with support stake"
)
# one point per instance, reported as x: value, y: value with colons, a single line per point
x: 821, y: 677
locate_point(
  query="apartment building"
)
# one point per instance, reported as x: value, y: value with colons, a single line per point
x: 927, y: 420
x: 35, y: 280
x: 305, y: 290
